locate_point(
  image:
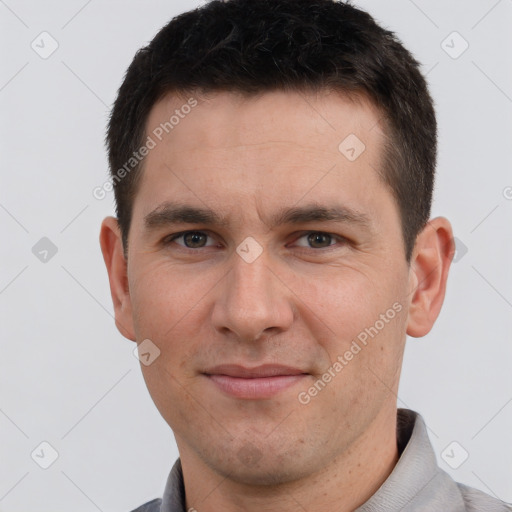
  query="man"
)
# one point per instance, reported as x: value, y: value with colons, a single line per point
x: 273, y: 164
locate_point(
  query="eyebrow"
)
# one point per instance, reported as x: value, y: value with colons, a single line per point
x: 169, y: 213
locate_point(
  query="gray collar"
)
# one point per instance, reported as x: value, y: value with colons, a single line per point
x: 416, y: 482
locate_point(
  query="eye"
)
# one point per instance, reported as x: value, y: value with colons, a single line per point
x: 199, y: 240
x: 191, y: 239
x: 319, y: 240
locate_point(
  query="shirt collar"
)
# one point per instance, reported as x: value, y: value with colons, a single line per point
x: 416, y: 481
x: 174, y: 494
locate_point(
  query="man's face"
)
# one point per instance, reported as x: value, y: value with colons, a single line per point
x: 211, y: 298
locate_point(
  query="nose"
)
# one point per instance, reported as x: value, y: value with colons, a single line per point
x: 252, y: 301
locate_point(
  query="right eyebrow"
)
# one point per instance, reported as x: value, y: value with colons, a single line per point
x: 173, y: 213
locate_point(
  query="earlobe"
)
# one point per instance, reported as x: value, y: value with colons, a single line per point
x: 430, y: 263
x: 112, y: 249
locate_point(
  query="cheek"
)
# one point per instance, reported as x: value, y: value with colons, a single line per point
x: 164, y: 297
x: 363, y: 319
x: 169, y: 393
x: 345, y: 300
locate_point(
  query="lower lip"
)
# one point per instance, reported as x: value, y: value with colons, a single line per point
x: 255, y: 388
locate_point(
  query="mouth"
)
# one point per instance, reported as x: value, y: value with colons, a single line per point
x: 256, y: 383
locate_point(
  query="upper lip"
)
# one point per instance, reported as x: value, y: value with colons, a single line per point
x: 265, y: 370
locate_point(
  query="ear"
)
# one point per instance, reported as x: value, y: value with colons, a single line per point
x: 430, y: 262
x: 112, y: 249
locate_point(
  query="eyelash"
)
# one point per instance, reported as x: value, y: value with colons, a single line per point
x: 171, y: 238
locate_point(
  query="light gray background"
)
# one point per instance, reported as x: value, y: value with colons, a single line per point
x: 69, y: 378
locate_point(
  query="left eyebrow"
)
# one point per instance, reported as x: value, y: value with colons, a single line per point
x: 176, y: 213
x: 318, y: 213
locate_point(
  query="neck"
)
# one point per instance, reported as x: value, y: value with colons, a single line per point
x: 343, y: 484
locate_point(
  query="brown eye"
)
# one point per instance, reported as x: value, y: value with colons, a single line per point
x: 191, y: 239
x: 319, y: 240
x: 195, y: 239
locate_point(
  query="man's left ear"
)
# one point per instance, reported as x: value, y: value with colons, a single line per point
x: 430, y: 262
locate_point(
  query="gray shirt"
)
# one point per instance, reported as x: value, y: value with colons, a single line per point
x: 416, y: 483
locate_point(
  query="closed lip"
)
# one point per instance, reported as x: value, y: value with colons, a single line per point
x: 262, y: 371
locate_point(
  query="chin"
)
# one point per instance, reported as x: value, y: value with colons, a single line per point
x: 250, y: 466
x: 263, y: 475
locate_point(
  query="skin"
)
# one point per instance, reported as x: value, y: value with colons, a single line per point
x: 300, y: 303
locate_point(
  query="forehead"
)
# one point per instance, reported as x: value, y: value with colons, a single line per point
x: 280, y: 146
x: 315, y: 119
